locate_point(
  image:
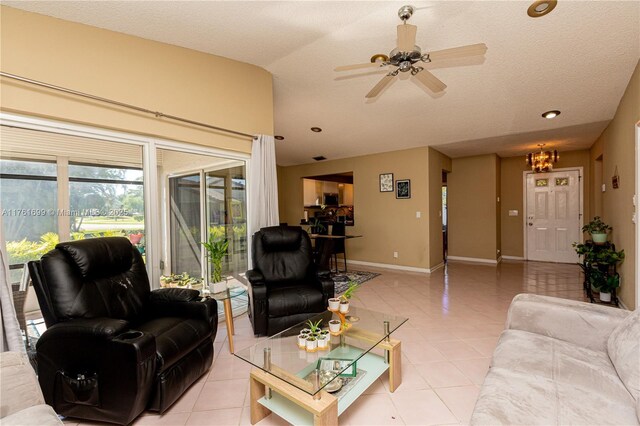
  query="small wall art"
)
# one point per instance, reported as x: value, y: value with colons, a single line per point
x: 403, y: 188
x: 386, y: 182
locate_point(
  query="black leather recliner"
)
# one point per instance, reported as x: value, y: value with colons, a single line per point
x: 285, y: 285
x: 112, y: 347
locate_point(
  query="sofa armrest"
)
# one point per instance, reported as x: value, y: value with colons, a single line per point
x: 18, y: 384
x: 584, y: 324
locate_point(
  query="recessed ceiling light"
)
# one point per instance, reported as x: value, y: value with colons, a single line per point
x: 319, y: 158
x: 551, y: 114
x: 278, y: 137
x: 316, y: 129
x: 541, y: 7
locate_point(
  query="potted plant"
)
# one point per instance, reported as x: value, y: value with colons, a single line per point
x: 347, y: 295
x: 217, y: 250
x: 334, y: 304
x: 315, y: 226
x: 598, y: 230
x: 335, y: 326
x: 314, y: 327
x: 312, y: 344
x: 599, y: 268
x: 302, y: 340
x: 323, y: 341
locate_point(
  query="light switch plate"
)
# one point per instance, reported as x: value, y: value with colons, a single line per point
x: 513, y: 212
x: 418, y: 215
x: 604, y: 187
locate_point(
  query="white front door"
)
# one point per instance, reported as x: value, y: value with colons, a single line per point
x: 553, y: 216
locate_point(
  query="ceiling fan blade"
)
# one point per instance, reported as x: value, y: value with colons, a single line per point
x: 432, y: 82
x: 459, y: 52
x: 357, y: 66
x: 386, y: 80
x: 406, y: 37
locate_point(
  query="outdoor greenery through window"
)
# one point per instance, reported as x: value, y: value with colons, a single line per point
x: 28, y: 196
x: 103, y: 201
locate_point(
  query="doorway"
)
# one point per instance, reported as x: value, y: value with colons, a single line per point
x: 445, y: 212
x: 553, y: 203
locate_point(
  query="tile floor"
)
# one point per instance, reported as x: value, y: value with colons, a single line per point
x: 455, y: 317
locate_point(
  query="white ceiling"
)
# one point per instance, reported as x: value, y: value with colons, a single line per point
x: 577, y: 59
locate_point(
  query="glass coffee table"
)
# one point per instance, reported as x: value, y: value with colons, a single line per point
x: 315, y: 387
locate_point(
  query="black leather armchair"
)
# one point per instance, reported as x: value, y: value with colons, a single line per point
x: 285, y: 286
x: 112, y: 347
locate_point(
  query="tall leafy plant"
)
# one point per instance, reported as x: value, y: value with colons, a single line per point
x: 216, y: 250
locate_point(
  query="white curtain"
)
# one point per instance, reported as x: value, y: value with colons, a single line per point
x: 9, y: 328
x: 263, y: 188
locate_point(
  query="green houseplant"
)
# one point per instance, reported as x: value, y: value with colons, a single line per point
x: 598, y: 230
x: 598, y: 267
x: 347, y: 295
x: 216, y: 250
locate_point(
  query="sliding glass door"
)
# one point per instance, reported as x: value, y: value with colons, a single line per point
x: 185, y: 214
x: 207, y: 202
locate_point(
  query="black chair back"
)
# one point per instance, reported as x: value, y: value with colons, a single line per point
x: 101, y: 277
x: 282, y: 253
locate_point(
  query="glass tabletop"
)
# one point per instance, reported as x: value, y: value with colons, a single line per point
x: 232, y: 288
x: 310, y: 371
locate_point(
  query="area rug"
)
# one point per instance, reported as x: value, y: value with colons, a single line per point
x: 342, y: 279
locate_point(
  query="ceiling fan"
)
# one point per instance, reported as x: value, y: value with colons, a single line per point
x: 407, y: 55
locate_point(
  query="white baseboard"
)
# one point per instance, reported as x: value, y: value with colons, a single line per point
x: 513, y: 258
x: 389, y: 266
x: 435, y: 268
x: 474, y: 260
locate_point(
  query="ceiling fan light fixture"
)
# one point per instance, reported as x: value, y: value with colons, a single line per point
x: 541, y: 7
x: 316, y: 129
x: 379, y: 57
x: 551, y: 114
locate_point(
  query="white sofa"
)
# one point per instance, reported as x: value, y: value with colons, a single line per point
x: 21, y: 400
x: 563, y: 362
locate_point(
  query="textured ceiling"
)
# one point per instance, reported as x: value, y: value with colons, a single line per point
x: 578, y: 59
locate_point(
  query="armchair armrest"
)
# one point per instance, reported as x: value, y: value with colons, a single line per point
x: 255, y: 277
x: 174, y: 295
x: 183, y: 303
x: 581, y: 323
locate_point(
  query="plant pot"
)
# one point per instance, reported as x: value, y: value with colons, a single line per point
x: 599, y: 238
x: 302, y: 341
x: 323, y: 342
x: 605, y: 297
x: 311, y: 344
x: 334, y: 304
x: 344, y: 307
x: 335, y: 326
x: 305, y: 331
x: 218, y: 287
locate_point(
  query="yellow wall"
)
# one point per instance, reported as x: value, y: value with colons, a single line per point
x: 473, y: 191
x: 617, y: 147
x: 387, y: 224
x: 152, y: 75
x: 511, y: 197
x: 437, y: 163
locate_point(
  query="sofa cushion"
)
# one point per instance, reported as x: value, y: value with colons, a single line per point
x: 536, y: 379
x: 294, y: 300
x: 19, y: 386
x: 624, y: 350
x: 175, y: 337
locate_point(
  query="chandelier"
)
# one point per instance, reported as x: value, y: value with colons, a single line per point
x: 542, y: 161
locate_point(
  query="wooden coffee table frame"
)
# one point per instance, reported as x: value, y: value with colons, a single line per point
x: 323, y: 406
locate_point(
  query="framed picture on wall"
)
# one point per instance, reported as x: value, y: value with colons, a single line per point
x: 386, y: 182
x: 403, y: 188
